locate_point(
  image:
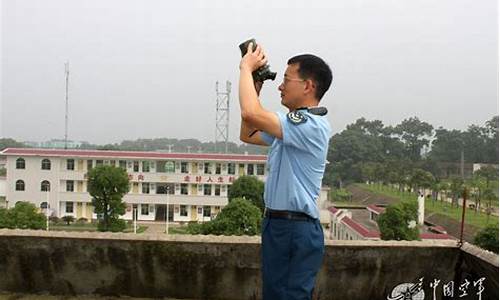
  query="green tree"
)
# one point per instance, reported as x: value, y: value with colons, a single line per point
x: 250, y: 188
x: 107, y: 185
x: 489, y: 174
x: 23, y: 215
x: 415, y: 134
x: 398, y: 222
x: 421, y: 179
x: 491, y: 130
x: 239, y: 217
x: 487, y: 238
x: 456, y: 189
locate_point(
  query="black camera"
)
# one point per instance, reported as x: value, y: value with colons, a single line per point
x: 262, y: 73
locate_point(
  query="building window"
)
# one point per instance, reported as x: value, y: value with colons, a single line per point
x: 250, y: 169
x: 145, y: 188
x: 217, y: 190
x: 69, y: 207
x: 207, y: 189
x: 70, y: 164
x: 206, y: 211
x: 164, y: 188
x: 19, y: 185
x: 136, y: 166
x: 45, y: 186
x: 231, y: 168
x: 217, y: 168
x: 184, y: 211
x: 123, y: 164
x: 170, y: 167
x: 260, y: 169
x: 99, y: 162
x: 184, y: 167
x: 112, y: 163
x: 89, y: 165
x: 45, y: 164
x: 144, y: 209
x: 145, y: 166
x: 184, y: 189
x: 208, y: 168
x: 70, y: 185
x: 20, y: 163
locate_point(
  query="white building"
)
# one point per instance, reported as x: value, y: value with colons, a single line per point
x: 3, y: 185
x: 197, y: 183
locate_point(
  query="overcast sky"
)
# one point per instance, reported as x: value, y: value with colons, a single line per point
x: 147, y: 69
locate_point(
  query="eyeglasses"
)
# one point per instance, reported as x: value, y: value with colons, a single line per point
x: 287, y: 80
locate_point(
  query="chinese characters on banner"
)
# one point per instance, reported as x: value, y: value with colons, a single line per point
x: 197, y: 179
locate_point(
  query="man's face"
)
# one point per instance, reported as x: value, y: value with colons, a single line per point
x: 292, y: 87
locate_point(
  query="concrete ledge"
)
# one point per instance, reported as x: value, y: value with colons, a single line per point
x: 132, y: 237
x: 485, y: 255
x: 222, y: 267
x: 213, y: 238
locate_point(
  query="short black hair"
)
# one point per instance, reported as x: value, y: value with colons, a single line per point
x: 313, y: 67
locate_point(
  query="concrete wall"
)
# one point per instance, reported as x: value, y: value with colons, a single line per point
x: 209, y: 267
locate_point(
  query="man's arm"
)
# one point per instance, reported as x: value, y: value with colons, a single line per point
x: 249, y: 134
x: 252, y: 111
x: 246, y: 131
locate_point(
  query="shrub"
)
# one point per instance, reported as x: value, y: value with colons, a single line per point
x: 23, y: 215
x: 82, y: 221
x: 68, y: 219
x: 487, y: 238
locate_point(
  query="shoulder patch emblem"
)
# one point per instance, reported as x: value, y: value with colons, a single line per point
x: 296, y: 117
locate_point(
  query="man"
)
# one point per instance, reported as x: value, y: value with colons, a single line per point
x: 292, y: 237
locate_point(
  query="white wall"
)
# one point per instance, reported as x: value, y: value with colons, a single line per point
x: 3, y: 185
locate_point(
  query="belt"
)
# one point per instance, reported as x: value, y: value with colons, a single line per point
x: 288, y: 215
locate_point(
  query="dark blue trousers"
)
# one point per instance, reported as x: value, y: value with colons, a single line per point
x: 292, y: 253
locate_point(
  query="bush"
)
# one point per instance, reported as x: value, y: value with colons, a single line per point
x: 398, y: 222
x: 5, y: 220
x: 239, y: 217
x: 250, y: 188
x: 23, y: 215
x: 82, y: 221
x: 487, y: 238
x: 68, y: 219
x: 54, y: 219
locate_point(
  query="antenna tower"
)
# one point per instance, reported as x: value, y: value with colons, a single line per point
x: 222, y: 115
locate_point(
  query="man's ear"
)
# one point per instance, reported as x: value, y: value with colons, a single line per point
x: 310, y: 86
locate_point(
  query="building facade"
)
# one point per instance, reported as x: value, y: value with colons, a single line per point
x: 194, y: 187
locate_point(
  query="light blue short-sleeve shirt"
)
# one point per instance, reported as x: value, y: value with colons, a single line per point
x: 296, y: 164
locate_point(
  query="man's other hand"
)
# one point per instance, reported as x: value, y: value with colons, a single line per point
x: 253, y: 59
